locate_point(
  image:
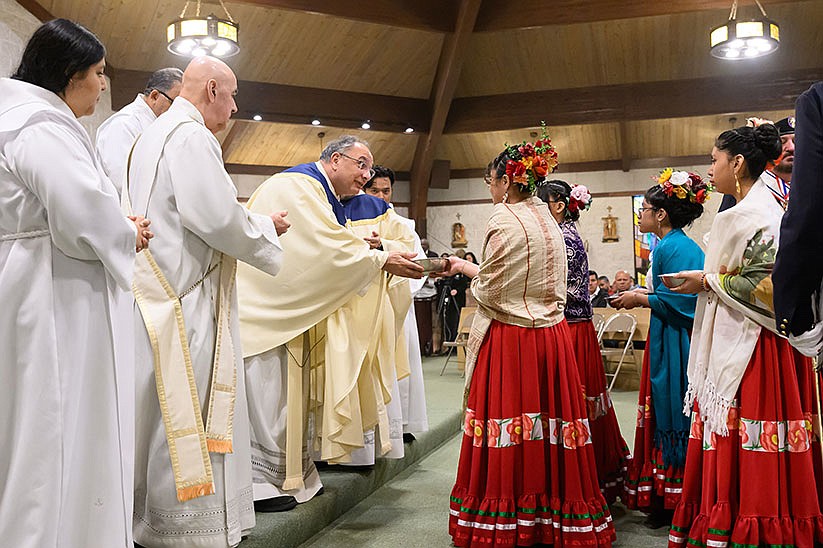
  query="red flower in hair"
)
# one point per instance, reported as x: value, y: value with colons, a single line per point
x: 515, y: 169
x: 540, y: 166
x: 526, y: 150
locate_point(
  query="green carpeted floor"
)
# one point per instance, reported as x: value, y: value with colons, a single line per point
x: 411, y: 510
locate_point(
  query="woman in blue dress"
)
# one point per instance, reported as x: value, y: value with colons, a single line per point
x: 655, y: 477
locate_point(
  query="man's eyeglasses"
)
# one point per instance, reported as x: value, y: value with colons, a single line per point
x: 361, y: 164
x: 164, y: 95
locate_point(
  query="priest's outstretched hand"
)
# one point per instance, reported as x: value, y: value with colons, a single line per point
x: 400, y: 264
x: 281, y: 225
x: 143, y: 232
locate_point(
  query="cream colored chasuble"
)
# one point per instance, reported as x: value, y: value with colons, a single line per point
x: 329, y: 282
x: 189, y: 441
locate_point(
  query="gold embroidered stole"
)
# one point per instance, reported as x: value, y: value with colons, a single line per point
x: 189, y: 441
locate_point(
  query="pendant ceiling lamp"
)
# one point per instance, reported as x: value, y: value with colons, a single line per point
x: 203, y: 35
x: 745, y: 39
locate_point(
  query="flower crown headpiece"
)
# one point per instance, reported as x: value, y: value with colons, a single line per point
x: 754, y: 121
x: 529, y: 163
x: 580, y: 199
x: 684, y: 185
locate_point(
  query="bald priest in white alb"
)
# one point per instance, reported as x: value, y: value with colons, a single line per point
x: 117, y: 134
x: 193, y: 467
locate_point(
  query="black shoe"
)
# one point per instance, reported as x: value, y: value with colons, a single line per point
x: 276, y: 504
x: 658, y: 519
x: 408, y: 437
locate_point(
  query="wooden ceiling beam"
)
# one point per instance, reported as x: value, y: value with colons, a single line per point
x: 477, y: 173
x: 641, y: 101
x: 497, y: 15
x: 452, y: 55
x: 625, y: 152
x: 428, y: 15
x: 299, y: 105
x: 35, y: 8
x: 230, y: 136
x: 268, y: 171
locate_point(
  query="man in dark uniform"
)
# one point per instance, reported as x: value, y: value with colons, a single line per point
x: 798, y: 270
x: 779, y: 179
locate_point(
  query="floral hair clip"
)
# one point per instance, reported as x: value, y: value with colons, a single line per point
x: 580, y: 199
x: 529, y: 163
x: 754, y: 121
x: 684, y: 185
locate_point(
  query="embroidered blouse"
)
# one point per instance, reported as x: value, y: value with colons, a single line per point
x: 578, y: 303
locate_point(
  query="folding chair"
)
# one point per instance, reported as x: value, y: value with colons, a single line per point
x: 618, y: 326
x: 599, y: 321
x: 462, y: 338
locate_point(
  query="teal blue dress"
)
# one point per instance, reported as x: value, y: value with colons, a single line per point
x: 670, y: 326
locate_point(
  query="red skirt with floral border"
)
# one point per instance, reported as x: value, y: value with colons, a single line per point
x: 756, y: 486
x: 651, y: 484
x: 611, y: 454
x: 527, y: 472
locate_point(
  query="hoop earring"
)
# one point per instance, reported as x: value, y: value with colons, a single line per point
x: 736, y: 183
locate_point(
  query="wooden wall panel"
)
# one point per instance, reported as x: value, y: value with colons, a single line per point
x: 573, y: 143
x: 262, y: 143
x: 686, y: 136
x: 277, y: 46
x: 656, y: 48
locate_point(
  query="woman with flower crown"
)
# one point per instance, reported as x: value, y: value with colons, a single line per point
x: 610, y: 450
x: 653, y: 483
x: 750, y: 474
x: 527, y: 472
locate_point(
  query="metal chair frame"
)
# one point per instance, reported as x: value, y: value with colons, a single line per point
x: 461, y: 340
x: 598, y: 321
x: 618, y: 323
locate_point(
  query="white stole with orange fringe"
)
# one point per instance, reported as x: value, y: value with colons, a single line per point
x: 189, y: 441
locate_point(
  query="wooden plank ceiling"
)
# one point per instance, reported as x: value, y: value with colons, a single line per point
x: 620, y: 82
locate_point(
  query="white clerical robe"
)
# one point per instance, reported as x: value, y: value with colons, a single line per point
x: 325, y: 265
x: 193, y: 207
x: 66, y: 333
x: 411, y: 388
x: 117, y: 134
x: 387, y: 356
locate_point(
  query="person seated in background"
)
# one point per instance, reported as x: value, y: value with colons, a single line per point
x: 605, y: 284
x: 425, y: 244
x: 597, y: 294
x: 623, y: 282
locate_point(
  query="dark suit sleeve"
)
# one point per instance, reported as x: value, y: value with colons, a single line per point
x: 799, y: 266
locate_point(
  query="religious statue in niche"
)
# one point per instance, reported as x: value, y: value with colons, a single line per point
x: 459, y: 234
x: 610, y: 227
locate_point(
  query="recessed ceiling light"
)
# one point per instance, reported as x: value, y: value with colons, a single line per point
x: 256, y: 117
x: 365, y: 125
x: 409, y: 130
x: 315, y: 122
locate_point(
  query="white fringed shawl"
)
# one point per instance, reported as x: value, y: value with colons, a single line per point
x: 739, y: 261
